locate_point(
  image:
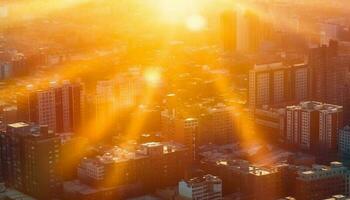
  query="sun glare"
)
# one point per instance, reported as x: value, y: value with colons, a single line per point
x: 196, y: 23
x: 152, y: 76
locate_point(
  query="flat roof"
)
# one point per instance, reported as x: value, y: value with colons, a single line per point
x: 18, y: 125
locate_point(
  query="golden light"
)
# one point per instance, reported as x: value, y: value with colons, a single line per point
x: 152, y: 76
x: 175, y: 11
x: 196, y: 23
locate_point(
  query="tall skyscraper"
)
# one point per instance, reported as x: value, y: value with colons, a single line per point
x: 59, y: 106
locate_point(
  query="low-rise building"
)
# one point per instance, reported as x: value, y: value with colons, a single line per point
x: 208, y: 187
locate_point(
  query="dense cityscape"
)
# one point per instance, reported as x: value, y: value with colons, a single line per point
x: 174, y: 99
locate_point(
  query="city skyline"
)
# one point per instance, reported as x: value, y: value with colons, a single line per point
x: 174, y: 99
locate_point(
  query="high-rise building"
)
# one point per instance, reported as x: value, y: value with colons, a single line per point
x: 328, y: 73
x: 128, y: 90
x: 186, y: 132
x: 300, y: 82
x: 344, y: 144
x: 208, y: 187
x: 218, y: 125
x: 313, y: 126
x: 277, y: 84
x: 105, y: 99
x: 329, y: 82
x: 116, y: 94
x: 29, y: 160
x: 267, y: 85
x: 322, y: 182
x: 59, y: 106
x: 329, y: 32
x: 251, y: 31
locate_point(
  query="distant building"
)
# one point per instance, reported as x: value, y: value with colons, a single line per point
x: 59, y: 106
x: 313, y: 126
x: 208, y: 187
x: 13, y: 64
x: 212, y: 124
x: 277, y: 84
x: 251, y: 31
x: 329, y: 32
x: 228, y: 21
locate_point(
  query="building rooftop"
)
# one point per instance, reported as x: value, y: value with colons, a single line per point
x: 118, y: 154
x: 314, y: 105
x: 244, y: 166
x: 18, y: 125
x: 12, y: 194
x: 270, y: 66
x: 205, y: 178
x: 322, y: 171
